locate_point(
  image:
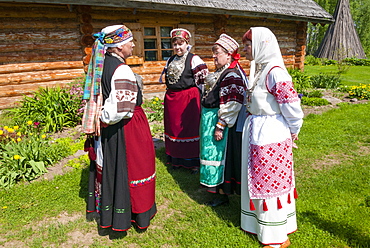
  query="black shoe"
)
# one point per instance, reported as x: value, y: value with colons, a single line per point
x: 217, y: 202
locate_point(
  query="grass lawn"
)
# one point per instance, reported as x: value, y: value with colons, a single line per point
x: 332, y: 174
x: 354, y: 76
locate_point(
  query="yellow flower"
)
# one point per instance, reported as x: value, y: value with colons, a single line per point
x: 29, y: 122
x: 10, y: 130
x: 5, y: 207
x: 43, y: 136
x: 154, y: 102
x: 16, y: 127
x: 19, y: 134
x: 156, y: 99
x: 16, y: 157
x: 1, y: 132
x: 19, y: 139
x: 6, y: 128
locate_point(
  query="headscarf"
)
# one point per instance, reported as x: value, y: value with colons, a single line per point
x: 231, y: 47
x: 265, y: 50
x: 111, y: 36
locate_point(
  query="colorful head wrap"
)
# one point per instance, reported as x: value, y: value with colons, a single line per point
x: 111, y: 36
x: 180, y: 33
x: 231, y: 47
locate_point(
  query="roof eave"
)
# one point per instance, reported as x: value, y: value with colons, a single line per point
x: 184, y: 8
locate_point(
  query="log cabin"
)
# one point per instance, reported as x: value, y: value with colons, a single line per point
x: 47, y: 43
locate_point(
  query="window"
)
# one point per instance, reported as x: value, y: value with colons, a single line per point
x: 157, y: 43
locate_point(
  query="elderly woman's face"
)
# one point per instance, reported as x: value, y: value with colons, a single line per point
x: 220, y: 57
x: 248, y: 50
x: 179, y: 47
x: 127, y: 49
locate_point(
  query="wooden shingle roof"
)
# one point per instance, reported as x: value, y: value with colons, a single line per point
x: 299, y: 10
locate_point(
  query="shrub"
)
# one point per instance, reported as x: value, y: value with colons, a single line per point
x: 325, y: 81
x: 301, y: 81
x: 312, y: 60
x: 314, y: 101
x: 358, y: 62
x: 53, y: 108
x: 360, y: 92
x: 314, y: 93
x: 154, y: 109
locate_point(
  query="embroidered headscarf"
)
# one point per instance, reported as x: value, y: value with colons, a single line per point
x: 231, y: 47
x: 111, y: 36
x: 180, y: 33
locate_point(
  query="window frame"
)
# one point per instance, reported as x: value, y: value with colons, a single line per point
x: 158, y: 39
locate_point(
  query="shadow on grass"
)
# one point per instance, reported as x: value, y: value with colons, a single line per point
x: 351, y: 235
x: 189, y: 184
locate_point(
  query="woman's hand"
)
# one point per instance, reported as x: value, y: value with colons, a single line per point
x: 294, y: 137
x: 219, y: 134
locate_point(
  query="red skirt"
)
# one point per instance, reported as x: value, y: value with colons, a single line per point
x: 181, y: 123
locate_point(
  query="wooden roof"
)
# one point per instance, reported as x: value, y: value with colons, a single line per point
x: 298, y: 10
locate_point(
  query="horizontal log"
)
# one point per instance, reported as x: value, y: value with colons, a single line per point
x: 45, y: 45
x: 9, y: 102
x: 14, y: 68
x: 22, y: 89
x: 14, y: 24
x: 38, y: 35
x: 39, y: 76
x: 37, y: 11
x: 40, y: 56
x: 154, y: 88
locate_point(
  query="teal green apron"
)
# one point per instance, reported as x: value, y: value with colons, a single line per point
x: 212, y: 152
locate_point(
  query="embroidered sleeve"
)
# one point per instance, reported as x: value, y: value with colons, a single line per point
x: 279, y: 83
x: 232, y: 91
x: 200, y: 69
x: 122, y: 99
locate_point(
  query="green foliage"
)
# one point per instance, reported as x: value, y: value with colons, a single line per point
x: 53, y: 108
x: 312, y: 60
x: 325, y: 81
x: 301, y: 81
x: 332, y: 168
x: 314, y: 101
x: 25, y: 152
x: 314, y: 93
x: 361, y: 92
x: 154, y: 109
x: 357, y: 62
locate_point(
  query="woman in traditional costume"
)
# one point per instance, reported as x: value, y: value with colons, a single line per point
x: 121, y: 150
x: 221, y: 123
x: 268, y: 184
x: 184, y: 74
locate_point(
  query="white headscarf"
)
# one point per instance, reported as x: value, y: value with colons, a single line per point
x: 265, y: 50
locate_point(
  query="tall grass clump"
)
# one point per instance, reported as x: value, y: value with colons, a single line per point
x: 53, y: 108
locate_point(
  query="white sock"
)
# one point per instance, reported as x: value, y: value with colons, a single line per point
x: 275, y: 246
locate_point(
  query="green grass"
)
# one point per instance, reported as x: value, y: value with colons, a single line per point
x: 332, y: 175
x: 354, y: 76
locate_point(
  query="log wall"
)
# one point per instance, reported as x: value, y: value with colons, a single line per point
x: 45, y: 45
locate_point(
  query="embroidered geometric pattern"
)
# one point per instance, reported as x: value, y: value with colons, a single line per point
x: 177, y: 139
x: 126, y: 92
x: 143, y: 181
x: 232, y: 89
x: 284, y: 92
x: 271, y: 173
